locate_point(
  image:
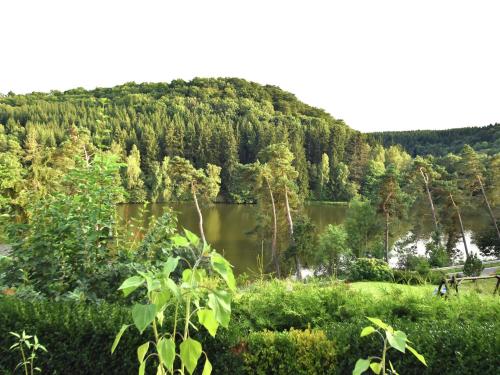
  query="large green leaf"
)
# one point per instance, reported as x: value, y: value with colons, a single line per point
x: 143, y: 315
x: 193, y: 238
x: 397, y: 340
x: 207, y: 369
x: 378, y: 323
x: 179, y: 241
x: 376, y: 367
x: 190, y: 353
x: 166, y: 352
x: 118, y: 337
x: 207, y: 318
x: 142, y: 368
x: 419, y: 356
x: 361, y: 366
x: 170, y: 265
x: 131, y: 284
x: 220, y: 302
x: 223, y: 268
x: 141, y: 351
x: 367, y: 331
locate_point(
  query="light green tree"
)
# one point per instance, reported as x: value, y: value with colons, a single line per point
x: 199, y: 183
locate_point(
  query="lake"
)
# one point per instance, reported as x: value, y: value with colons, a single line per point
x: 229, y: 228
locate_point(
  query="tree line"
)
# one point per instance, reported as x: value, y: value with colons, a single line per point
x: 223, y: 122
x: 485, y: 139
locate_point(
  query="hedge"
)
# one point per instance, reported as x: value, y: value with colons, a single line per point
x: 455, y: 336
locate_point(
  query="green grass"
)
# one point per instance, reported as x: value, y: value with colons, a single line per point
x: 379, y: 289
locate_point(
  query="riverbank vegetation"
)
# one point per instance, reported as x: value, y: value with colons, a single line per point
x: 68, y: 159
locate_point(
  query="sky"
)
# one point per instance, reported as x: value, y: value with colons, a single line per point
x: 378, y: 65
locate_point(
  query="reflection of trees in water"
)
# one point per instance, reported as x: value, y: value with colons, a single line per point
x: 231, y: 228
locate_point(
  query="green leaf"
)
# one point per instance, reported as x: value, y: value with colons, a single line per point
x: 166, y: 352
x: 131, y: 284
x: 193, y: 238
x: 170, y: 265
x: 376, y: 367
x: 170, y: 284
x: 207, y: 318
x: 220, y: 302
x: 207, y: 369
x: 367, y: 331
x: 378, y: 323
x: 397, y: 340
x: 160, y: 298
x: 118, y: 337
x: 141, y: 351
x: 223, y: 268
x: 361, y: 366
x: 190, y: 353
x: 143, y: 315
x: 419, y: 356
x: 179, y: 241
x: 142, y: 368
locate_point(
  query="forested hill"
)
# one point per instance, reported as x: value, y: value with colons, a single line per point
x: 221, y: 121
x: 441, y: 142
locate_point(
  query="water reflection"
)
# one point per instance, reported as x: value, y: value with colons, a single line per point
x: 230, y: 228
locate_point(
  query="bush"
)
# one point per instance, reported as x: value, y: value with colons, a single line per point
x: 370, y: 269
x: 453, y: 334
x: 473, y: 266
x: 293, y: 352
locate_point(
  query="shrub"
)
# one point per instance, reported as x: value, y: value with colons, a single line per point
x: 473, y: 266
x: 370, y: 269
x: 293, y: 352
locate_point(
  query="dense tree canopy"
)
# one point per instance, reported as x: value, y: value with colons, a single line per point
x: 206, y: 121
x: 485, y: 139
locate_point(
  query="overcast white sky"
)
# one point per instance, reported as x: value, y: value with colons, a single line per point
x: 379, y: 65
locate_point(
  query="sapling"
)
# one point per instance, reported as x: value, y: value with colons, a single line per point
x: 391, y: 339
x: 28, y: 346
x: 196, y: 294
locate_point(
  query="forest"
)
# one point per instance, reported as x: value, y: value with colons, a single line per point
x: 69, y: 159
x: 485, y: 139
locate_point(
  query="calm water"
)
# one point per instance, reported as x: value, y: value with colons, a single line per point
x: 230, y: 228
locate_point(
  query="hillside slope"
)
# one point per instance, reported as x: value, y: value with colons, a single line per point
x: 222, y: 121
x: 440, y: 142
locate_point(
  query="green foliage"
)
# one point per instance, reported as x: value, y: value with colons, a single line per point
x: 219, y: 121
x: 473, y: 266
x: 290, y: 352
x: 68, y: 233
x: 487, y: 241
x: 393, y: 339
x: 454, y: 336
x: 196, y: 293
x: 333, y: 254
x: 362, y: 226
x: 442, y: 142
x: 28, y: 346
x: 370, y: 269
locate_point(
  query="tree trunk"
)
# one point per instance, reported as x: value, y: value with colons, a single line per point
x: 426, y: 181
x: 461, y: 226
x: 200, y: 216
x: 298, y: 266
x: 386, y: 237
x: 386, y: 232
x: 489, y: 207
x: 274, y: 253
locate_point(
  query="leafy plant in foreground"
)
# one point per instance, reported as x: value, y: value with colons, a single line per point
x: 28, y: 350
x: 197, y: 293
x: 392, y: 339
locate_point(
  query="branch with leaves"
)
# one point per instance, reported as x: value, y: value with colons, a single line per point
x: 391, y: 339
